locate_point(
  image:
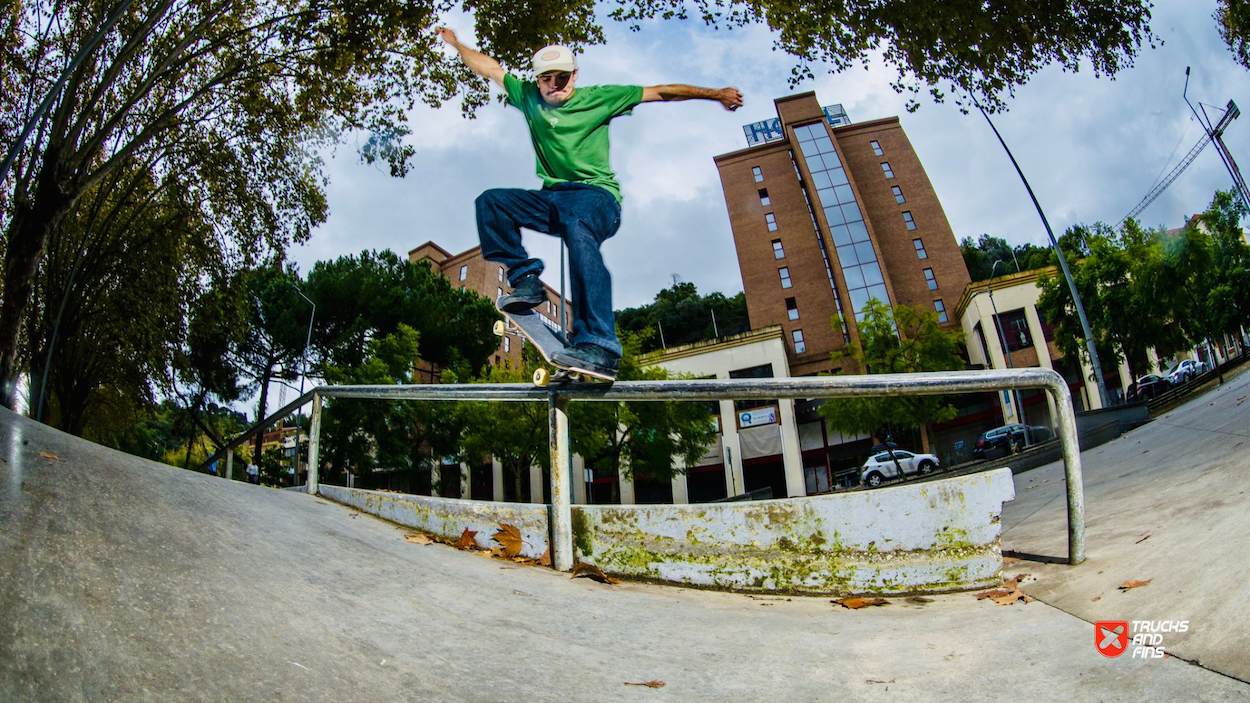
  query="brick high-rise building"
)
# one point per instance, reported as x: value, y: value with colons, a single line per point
x: 826, y: 215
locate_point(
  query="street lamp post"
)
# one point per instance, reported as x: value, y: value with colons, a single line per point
x: 1002, y: 343
x: 1090, y: 347
x: 303, y: 374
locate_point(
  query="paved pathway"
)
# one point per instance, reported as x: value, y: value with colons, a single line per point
x: 122, y: 579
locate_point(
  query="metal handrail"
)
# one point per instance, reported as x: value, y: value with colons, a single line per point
x: 557, y: 397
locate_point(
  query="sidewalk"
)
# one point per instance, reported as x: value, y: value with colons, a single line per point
x: 121, y: 579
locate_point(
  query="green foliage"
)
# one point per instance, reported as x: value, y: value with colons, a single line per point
x: 274, y: 468
x: 515, y: 434
x: 980, y: 256
x: 899, y: 340
x: 1233, y: 19
x: 640, y: 438
x: 1145, y: 289
x: 685, y: 317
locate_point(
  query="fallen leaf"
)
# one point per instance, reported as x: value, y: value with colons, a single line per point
x: 1010, y: 560
x: 582, y: 568
x: 497, y: 552
x: 857, y: 603
x: 419, y: 539
x: 1134, y: 584
x: 1021, y: 577
x: 650, y: 684
x: 466, y: 540
x: 996, y: 593
x: 508, y: 537
x: 482, y: 553
x: 53, y: 457
x: 1009, y: 598
x: 877, y: 681
x: 545, y: 559
x: 1095, y: 599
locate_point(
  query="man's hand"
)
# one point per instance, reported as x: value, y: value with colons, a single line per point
x: 479, y: 63
x: 730, y: 98
x: 448, y: 36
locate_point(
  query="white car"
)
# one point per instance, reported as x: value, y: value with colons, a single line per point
x: 880, y: 467
x: 1186, y: 370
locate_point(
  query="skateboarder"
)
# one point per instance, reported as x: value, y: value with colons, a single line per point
x: 580, y: 200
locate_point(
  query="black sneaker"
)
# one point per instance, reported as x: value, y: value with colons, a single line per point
x: 588, y: 359
x: 526, y: 294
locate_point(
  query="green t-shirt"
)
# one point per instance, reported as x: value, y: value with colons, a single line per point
x: 571, y: 141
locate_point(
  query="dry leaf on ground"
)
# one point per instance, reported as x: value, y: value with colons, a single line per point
x: 1134, y: 584
x: 482, y: 553
x: 1010, y: 560
x: 857, y: 603
x: 649, y: 684
x: 508, y: 537
x: 590, y: 570
x: 545, y: 559
x: 53, y: 457
x: 418, y: 538
x: 466, y: 540
x: 877, y: 681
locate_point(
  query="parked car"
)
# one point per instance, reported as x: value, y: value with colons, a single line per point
x: 1147, y: 387
x: 1002, y: 441
x: 880, y: 467
x: 1186, y: 370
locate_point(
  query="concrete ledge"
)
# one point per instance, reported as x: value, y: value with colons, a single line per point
x: 448, y: 517
x: 928, y: 537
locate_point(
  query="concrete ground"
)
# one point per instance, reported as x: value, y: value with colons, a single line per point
x: 126, y: 580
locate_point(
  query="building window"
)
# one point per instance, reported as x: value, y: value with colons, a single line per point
x: 907, y: 219
x: 771, y: 219
x: 785, y: 276
x: 885, y: 166
x: 778, y: 252
x: 464, y: 272
x: 941, y: 310
x: 799, y: 345
x: 930, y: 279
x: 1016, y: 329
x: 920, y: 252
x: 898, y: 195
x: 498, y: 293
x: 764, y: 199
x: 792, y: 309
x: 507, y: 345
x: 876, y: 148
x: 759, y: 175
x: 501, y: 274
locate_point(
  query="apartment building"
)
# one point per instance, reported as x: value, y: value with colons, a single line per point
x: 827, y: 214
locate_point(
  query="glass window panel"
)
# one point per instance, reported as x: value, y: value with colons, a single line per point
x: 814, y: 163
x: 847, y: 256
x: 864, y: 252
x: 826, y: 196
x: 821, y: 179
x: 804, y: 133
x: 878, y: 292
x: 841, y: 235
x: 854, y: 276
x: 845, y: 194
x: 872, y: 274
x: 851, y: 212
x: 859, y: 298
x: 834, y: 216
x: 823, y: 145
x: 838, y: 176
x: 859, y: 231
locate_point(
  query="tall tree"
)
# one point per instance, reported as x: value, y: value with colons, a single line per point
x: 1228, y: 301
x: 899, y: 340
x: 248, y: 86
x: 679, y: 315
x: 1233, y: 19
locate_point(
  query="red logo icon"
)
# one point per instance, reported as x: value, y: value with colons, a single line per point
x: 1111, y: 637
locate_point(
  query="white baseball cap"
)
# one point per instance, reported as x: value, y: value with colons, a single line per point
x: 554, y: 58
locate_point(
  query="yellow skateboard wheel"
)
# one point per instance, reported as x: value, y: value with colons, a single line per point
x: 500, y: 327
x: 541, y: 378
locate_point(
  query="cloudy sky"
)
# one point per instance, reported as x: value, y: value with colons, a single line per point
x: 1091, y: 148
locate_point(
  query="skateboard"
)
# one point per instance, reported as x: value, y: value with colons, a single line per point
x: 533, y: 327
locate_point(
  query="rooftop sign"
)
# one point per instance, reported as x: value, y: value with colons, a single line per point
x: 771, y: 130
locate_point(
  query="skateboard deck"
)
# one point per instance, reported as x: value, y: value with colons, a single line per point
x: 530, y: 324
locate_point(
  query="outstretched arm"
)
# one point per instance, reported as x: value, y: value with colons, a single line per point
x: 729, y: 97
x: 479, y: 63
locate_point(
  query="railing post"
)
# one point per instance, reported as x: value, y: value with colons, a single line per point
x: 561, y: 518
x: 229, y: 472
x: 1072, y: 471
x: 314, y: 445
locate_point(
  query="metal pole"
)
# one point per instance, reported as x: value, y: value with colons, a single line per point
x: 1072, y: 471
x: 1002, y: 341
x: 302, y: 376
x: 229, y: 473
x: 561, y: 510
x: 314, y: 445
x: 1090, y: 347
x: 1238, y: 183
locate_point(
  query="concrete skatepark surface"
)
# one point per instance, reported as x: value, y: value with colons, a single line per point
x: 122, y: 579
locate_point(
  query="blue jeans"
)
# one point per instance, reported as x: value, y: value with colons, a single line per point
x: 584, y: 216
